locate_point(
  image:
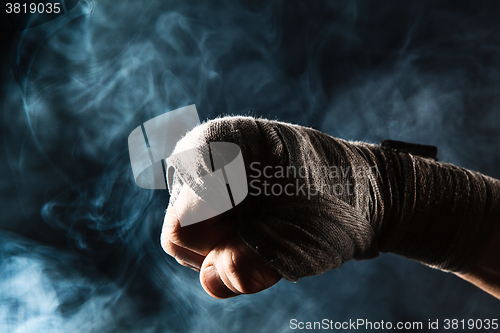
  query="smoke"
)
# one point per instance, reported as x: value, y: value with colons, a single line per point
x: 79, y: 246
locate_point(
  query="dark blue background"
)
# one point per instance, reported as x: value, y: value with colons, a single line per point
x: 79, y: 242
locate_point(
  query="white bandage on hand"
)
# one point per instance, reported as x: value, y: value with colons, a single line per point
x: 316, y: 202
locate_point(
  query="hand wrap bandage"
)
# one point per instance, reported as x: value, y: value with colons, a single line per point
x: 328, y: 200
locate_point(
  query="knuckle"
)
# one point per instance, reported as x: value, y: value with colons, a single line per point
x: 181, y: 255
x: 169, y: 247
x: 242, y: 273
x: 233, y: 262
x: 171, y: 235
x: 186, y: 263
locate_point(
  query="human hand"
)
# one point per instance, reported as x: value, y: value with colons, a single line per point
x: 346, y: 200
x: 227, y: 266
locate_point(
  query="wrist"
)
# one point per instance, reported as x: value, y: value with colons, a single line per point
x: 436, y: 213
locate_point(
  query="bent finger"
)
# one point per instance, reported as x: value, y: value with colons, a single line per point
x: 183, y: 256
x: 201, y: 237
x: 232, y: 268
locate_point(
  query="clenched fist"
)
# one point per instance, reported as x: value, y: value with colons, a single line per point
x: 315, y: 202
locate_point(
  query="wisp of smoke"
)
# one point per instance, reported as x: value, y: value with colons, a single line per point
x: 82, y: 253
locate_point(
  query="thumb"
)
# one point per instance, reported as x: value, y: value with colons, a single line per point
x: 232, y: 268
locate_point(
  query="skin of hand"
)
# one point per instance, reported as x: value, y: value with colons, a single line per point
x: 227, y: 266
x: 486, y: 273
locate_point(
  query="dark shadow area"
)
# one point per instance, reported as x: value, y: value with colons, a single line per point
x: 79, y: 241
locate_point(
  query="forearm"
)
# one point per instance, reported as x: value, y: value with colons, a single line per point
x: 486, y: 273
x: 454, y: 224
x: 436, y: 213
x: 350, y: 200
